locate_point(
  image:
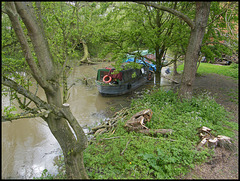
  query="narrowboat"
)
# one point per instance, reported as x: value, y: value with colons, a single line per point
x: 125, y: 81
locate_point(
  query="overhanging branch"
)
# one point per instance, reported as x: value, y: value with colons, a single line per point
x: 24, y: 115
x: 169, y: 10
x: 35, y: 71
x: 21, y: 90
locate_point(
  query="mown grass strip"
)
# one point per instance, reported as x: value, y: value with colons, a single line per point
x: 206, y: 68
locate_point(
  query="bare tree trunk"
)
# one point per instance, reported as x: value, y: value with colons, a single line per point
x: 62, y: 123
x: 193, y: 49
x: 159, y: 63
x: 86, y: 53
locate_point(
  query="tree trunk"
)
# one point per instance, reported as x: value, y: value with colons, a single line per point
x: 193, y: 49
x: 159, y: 64
x: 86, y: 54
x: 72, y: 147
x: 175, y: 65
x: 62, y: 123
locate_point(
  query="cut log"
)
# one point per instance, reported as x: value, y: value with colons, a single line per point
x: 138, y: 120
x: 204, y: 129
x: 202, y: 143
x: 223, y: 141
x: 155, y: 131
x: 205, y: 135
x: 212, y: 143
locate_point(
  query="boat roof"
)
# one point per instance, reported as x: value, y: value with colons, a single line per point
x: 144, y: 62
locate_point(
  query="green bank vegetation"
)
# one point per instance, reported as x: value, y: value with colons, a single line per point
x: 129, y: 155
x: 133, y: 155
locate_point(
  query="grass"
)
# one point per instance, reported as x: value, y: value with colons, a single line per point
x: 206, y: 68
x: 130, y: 155
x: 159, y: 157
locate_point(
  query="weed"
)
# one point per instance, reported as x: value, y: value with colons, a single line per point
x: 131, y: 155
x: 158, y: 157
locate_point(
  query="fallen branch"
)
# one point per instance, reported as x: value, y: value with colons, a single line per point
x: 170, y: 79
x: 110, y: 123
x: 125, y: 148
x: 155, y: 131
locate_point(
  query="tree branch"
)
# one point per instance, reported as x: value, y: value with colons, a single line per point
x: 21, y: 90
x: 81, y: 137
x: 39, y: 42
x: 35, y: 71
x: 25, y: 115
x: 227, y: 4
x: 170, y: 10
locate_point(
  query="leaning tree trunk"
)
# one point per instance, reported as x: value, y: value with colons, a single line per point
x: 193, y: 49
x: 86, y: 53
x: 72, y: 144
x: 62, y: 123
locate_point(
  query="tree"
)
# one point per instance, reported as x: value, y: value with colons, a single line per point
x: 194, y: 46
x: 198, y: 26
x: 47, y: 74
x: 221, y: 33
x: 148, y: 28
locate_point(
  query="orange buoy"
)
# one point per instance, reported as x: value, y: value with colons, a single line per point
x: 109, y: 79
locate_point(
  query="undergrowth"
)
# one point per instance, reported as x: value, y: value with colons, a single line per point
x: 130, y: 155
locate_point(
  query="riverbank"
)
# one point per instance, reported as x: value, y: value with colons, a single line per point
x: 119, y: 154
x: 162, y: 157
x: 225, y: 163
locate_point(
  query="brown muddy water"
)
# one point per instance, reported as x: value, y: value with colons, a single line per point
x: 28, y: 146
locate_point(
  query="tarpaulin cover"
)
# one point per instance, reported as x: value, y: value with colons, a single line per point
x: 145, y: 63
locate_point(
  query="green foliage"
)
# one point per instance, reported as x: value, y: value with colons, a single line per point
x: 158, y: 157
x: 221, y: 35
x: 45, y: 175
x: 233, y: 95
x: 8, y: 111
x: 130, y: 155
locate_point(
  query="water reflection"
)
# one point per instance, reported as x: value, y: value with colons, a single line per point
x: 28, y: 146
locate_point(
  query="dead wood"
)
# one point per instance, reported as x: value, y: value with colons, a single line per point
x: 202, y: 143
x: 212, y: 141
x: 176, y: 82
x: 110, y: 124
x: 155, y: 131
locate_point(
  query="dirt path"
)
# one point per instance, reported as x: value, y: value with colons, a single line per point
x: 224, y: 164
